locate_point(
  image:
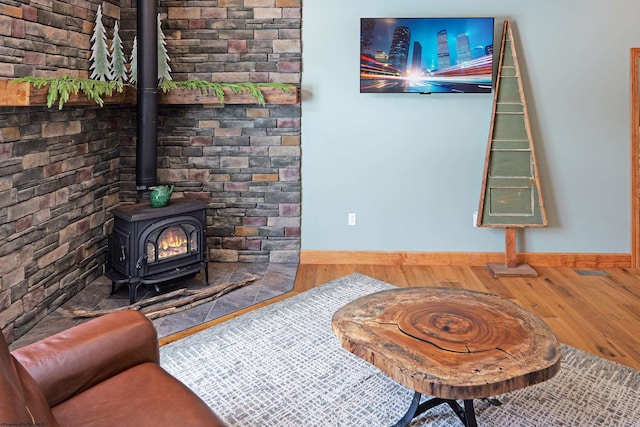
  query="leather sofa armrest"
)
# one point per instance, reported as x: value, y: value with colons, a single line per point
x: 74, y: 360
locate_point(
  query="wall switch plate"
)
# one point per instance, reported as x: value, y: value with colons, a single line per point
x: 351, y: 219
x: 475, y: 219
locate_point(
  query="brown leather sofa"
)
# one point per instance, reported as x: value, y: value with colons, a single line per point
x: 104, y: 372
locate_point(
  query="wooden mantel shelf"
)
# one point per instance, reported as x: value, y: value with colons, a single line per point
x: 272, y: 95
x: 19, y: 94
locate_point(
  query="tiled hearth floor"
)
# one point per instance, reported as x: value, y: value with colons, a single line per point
x: 272, y: 280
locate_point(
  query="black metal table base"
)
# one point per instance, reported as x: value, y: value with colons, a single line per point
x: 467, y: 414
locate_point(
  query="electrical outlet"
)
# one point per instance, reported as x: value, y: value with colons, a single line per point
x: 351, y: 219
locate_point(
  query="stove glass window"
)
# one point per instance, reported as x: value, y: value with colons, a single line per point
x: 172, y: 242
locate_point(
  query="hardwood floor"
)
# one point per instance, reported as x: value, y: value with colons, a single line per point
x: 597, y: 311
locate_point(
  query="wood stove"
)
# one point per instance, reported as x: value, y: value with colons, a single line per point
x: 149, y: 246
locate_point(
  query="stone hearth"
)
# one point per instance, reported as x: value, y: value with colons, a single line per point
x: 273, y: 280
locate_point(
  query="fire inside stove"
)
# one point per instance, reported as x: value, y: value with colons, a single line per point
x: 172, y: 242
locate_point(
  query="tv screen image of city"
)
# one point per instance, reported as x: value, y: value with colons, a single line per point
x: 426, y: 55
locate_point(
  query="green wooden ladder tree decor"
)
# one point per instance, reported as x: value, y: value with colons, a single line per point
x: 511, y: 197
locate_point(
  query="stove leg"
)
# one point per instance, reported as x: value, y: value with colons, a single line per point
x: 206, y: 272
x: 133, y: 291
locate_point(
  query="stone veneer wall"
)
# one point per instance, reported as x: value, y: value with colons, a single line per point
x: 58, y: 181
x: 58, y: 169
x: 61, y: 172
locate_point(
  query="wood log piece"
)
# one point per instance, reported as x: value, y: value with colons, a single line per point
x: 155, y: 307
x: 195, y: 300
x: 449, y: 343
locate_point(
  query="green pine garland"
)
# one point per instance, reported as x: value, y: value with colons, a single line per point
x: 206, y: 87
x: 61, y: 88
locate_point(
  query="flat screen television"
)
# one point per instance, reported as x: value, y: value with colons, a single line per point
x: 426, y: 55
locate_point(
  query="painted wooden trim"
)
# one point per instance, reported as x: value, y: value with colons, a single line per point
x: 573, y: 260
x: 635, y: 158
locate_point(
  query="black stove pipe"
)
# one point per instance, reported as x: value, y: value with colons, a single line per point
x: 147, y: 100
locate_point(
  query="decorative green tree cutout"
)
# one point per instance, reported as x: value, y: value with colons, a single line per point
x: 99, y: 51
x: 511, y: 195
x: 133, y: 70
x: 118, y: 69
x: 163, y: 57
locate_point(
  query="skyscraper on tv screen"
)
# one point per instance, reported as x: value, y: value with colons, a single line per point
x: 463, y: 47
x: 367, y: 25
x: 399, y: 50
x: 416, y: 59
x: 444, y: 59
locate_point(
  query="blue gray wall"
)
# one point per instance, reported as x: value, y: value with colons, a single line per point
x: 410, y: 166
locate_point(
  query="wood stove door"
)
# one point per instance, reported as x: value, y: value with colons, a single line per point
x: 119, y: 244
x: 170, y: 244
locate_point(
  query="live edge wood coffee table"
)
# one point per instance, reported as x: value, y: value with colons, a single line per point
x: 451, y: 344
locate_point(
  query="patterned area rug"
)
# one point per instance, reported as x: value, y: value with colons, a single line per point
x: 282, y: 365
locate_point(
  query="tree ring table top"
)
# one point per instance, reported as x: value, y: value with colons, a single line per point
x: 449, y: 343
